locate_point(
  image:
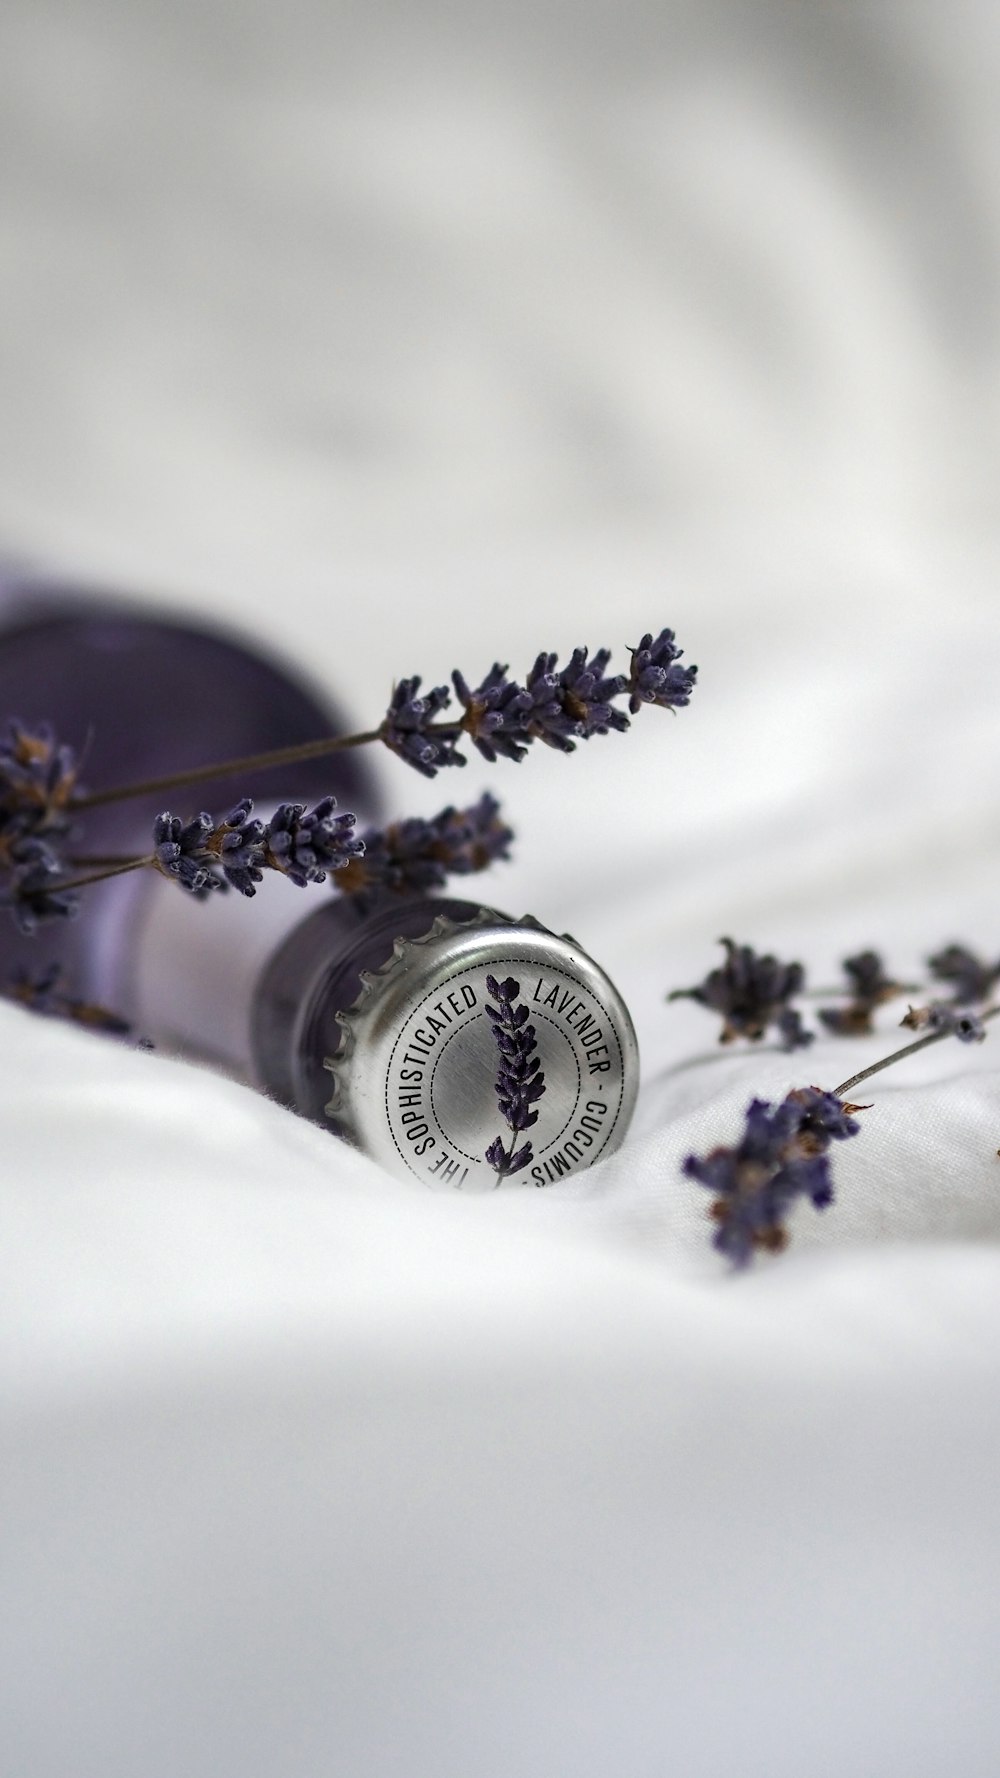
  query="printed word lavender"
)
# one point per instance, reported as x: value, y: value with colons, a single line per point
x: 520, y: 1082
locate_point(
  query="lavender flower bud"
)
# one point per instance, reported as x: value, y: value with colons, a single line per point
x: 969, y: 978
x: 31, y: 893
x: 586, y: 691
x: 794, y: 1035
x: 238, y: 844
x: 180, y: 851
x: 751, y: 992
x: 870, y: 986
x: 570, y: 706
x: 655, y: 678
x: 415, y: 857
x: 406, y: 725
x: 306, y: 845
x: 494, y: 714
x: 547, y: 718
x: 38, y: 776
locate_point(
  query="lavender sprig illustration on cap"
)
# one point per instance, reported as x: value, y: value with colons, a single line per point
x: 520, y: 1082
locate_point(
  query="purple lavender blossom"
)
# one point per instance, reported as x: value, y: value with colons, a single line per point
x: 780, y: 1157
x: 547, y: 718
x: 969, y: 978
x: 586, y: 690
x: 571, y: 705
x: 37, y: 780
x: 751, y: 992
x: 494, y: 714
x: 520, y: 1082
x: 655, y: 677
x: 30, y: 891
x: 415, y: 857
x: 180, y: 850
x: 38, y: 775
x: 870, y: 987
x: 559, y: 706
x: 307, y: 844
x: 406, y: 728
x: 303, y: 845
x: 794, y: 1034
x: 868, y: 978
x: 239, y: 844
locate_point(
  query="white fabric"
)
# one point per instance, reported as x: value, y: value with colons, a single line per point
x: 416, y: 337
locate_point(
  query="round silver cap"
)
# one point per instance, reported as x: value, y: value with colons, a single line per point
x: 414, y: 1079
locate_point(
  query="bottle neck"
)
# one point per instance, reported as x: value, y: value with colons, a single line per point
x: 253, y: 985
x: 318, y: 972
x: 194, y: 963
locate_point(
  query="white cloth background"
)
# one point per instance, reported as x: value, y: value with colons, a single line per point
x: 417, y: 337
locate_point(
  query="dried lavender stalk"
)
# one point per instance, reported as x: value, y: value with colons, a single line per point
x: 781, y: 1155
x: 500, y: 716
x: 780, y: 1158
x: 43, y: 993
x: 752, y: 992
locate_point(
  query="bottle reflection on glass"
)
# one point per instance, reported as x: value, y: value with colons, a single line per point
x: 366, y: 1014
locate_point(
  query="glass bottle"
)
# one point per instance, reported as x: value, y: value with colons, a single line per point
x: 371, y: 1023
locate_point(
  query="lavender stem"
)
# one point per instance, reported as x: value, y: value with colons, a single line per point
x: 115, y: 870
x: 229, y: 768
x: 909, y: 1049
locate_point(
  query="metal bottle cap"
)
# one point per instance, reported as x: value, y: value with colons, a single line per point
x: 414, y: 1077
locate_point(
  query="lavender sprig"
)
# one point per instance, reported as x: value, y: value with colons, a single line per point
x: 752, y: 992
x: 34, y: 888
x: 408, y: 728
x: 500, y: 716
x: 780, y: 1157
x: 656, y: 678
x: 520, y: 1082
x: 415, y: 857
x: 560, y: 707
x: 307, y: 844
x: 870, y: 987
x: 38, y: 776
x: 203, y: 854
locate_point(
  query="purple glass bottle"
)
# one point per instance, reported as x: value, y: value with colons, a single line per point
x: 372, y: 1024
x: 139, y: 693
